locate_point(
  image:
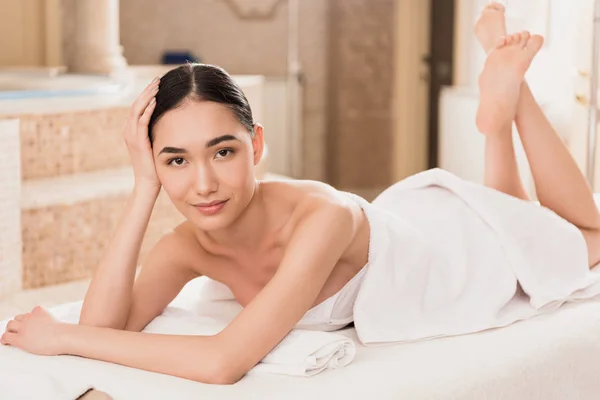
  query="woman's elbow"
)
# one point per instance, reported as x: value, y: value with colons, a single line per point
x: 221, y: 374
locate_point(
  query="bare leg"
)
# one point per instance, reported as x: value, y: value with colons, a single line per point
x: 501, y: 171
x: 560, y: 185
x: 500, y: 84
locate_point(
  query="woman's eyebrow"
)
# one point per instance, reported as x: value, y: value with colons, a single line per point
x: 172, y: 150
x: 209, y: 144
x: 219, y: 139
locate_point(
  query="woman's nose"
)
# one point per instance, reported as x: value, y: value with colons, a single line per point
x: 205, y: 181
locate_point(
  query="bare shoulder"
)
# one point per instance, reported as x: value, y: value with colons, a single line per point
x: 305, y: 197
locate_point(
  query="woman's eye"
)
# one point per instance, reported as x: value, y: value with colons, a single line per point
x: 224, y: 153
x: 177, y: 161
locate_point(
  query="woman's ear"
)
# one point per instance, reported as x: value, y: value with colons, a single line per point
x: 258, y: 143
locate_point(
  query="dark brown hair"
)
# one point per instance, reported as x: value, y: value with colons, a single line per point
x: 200, y: 82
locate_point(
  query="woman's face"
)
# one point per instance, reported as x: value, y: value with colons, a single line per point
x: 205, y: 161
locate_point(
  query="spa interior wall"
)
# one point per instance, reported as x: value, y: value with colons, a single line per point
x: 346, y: 53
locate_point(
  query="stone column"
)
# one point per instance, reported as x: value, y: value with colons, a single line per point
x: 10, y: 208
x: 97, y: 43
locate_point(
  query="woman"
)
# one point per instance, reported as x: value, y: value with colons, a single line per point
x: 284, y: 248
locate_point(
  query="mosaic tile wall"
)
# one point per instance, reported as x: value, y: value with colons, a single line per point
x: 58, y: 144
x: 66, y: 242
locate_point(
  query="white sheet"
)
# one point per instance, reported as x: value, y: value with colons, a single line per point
x: 553, y: 356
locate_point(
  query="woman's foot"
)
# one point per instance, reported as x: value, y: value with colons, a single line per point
x: 501, y: 79
x: 491, y: 26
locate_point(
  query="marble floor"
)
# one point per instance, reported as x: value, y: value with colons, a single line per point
x: 50, y: 296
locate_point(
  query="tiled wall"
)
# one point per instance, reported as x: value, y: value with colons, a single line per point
x: 59, y: 144
x: 10, y: 208
x: 65, y: 242
x: 346, y: 56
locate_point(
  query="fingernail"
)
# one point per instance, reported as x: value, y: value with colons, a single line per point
x: 153, y: 100
x: 155, y: 79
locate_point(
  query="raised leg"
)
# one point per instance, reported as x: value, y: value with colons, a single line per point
x: 560, y: 185
x: 500, y: 85
x: 501, y: 170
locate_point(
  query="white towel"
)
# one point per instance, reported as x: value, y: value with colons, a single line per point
x: 17, y: 385
x: 449, y: 257
x: 300, y: 353
x: 307, y: 353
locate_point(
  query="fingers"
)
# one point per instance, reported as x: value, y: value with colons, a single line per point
x: 8, y: 338
x: 13, y: 326
x: 145, y: 118
x: 140, y: 104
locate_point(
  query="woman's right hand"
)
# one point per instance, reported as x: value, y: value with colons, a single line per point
x: 137, y: 140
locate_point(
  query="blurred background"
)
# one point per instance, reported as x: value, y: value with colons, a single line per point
x: 355, y: 93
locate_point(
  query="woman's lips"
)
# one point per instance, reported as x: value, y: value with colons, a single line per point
x: 211, y: 209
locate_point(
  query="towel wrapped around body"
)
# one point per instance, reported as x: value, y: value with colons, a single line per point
x: 450, y: 257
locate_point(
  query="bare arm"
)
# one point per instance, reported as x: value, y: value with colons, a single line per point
x: 316, y: 245
x: 162, y: 277
x: 313, y: 251
x: 108, y: 298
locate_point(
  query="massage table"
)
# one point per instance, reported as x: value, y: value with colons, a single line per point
x: 551, y: 356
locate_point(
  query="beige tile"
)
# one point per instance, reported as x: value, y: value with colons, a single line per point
x: 65, y: 242
x: 72, y: 142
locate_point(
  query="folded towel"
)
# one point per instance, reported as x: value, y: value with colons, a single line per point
x: 307, y: 353
x: 300, y: 353
x: 27, y: 386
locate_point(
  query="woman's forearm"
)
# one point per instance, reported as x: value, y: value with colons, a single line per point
x: 191, y: 357
x: 108, y: 298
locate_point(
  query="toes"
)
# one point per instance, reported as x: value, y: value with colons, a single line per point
x: 502, y: 41
x: 534, y: 44
x: 8, y: 338
x: 510, y: 39
x: 13, y: 326
x: 496, y: 7
x: 523, y: 38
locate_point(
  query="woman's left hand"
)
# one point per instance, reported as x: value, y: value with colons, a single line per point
x: 37, y: 332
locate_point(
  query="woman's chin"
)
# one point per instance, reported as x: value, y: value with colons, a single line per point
x: 211, y: 222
